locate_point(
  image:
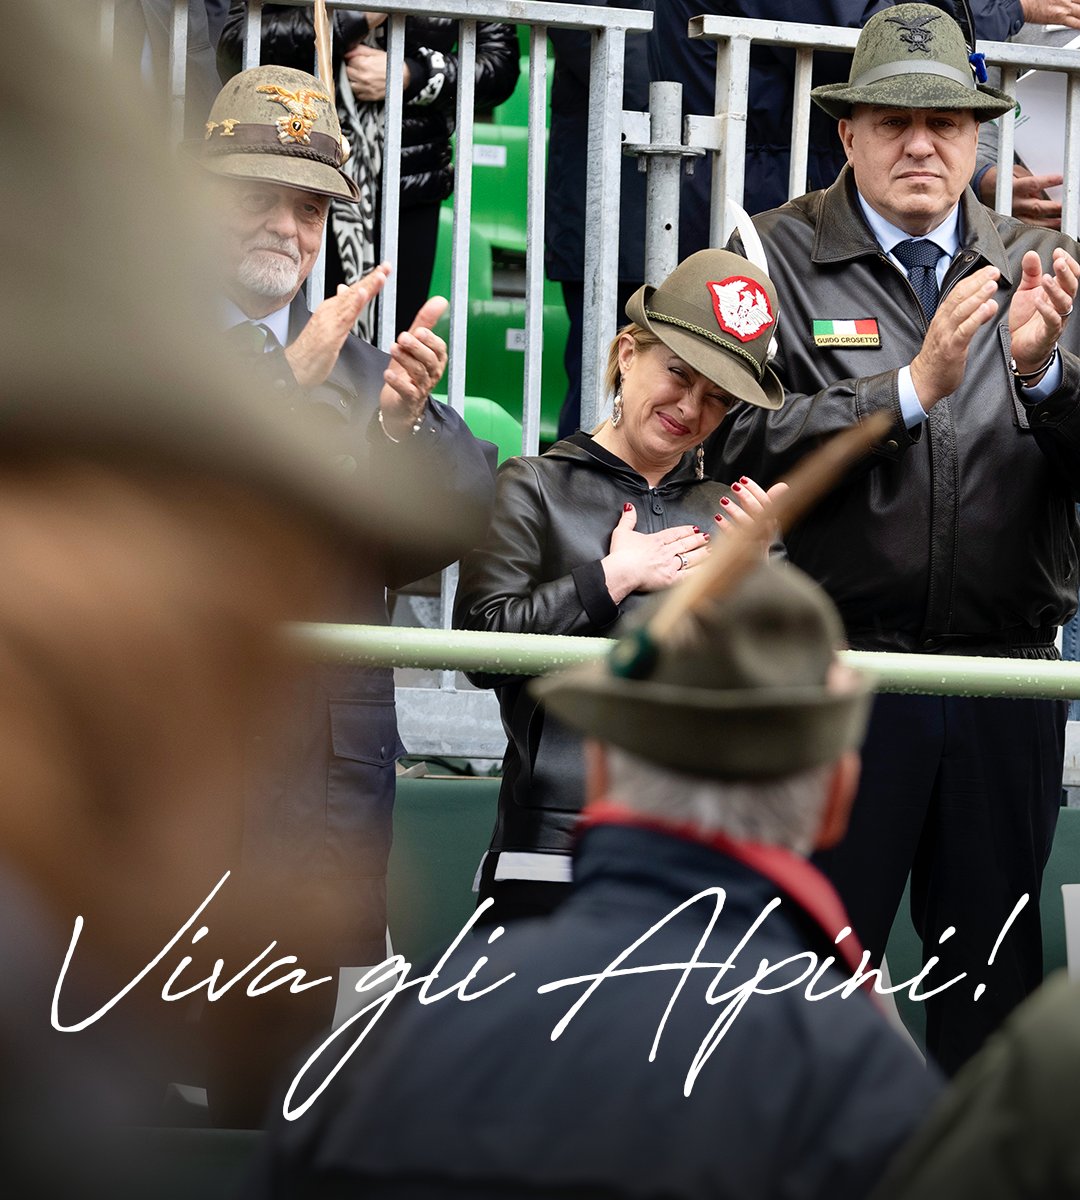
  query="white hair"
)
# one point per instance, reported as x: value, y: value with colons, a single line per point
x: 780, y: 812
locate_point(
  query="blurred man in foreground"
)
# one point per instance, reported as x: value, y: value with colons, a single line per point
x: 321, y: 765
x: 157, y: 522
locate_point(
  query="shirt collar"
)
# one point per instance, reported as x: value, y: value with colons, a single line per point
x: 946, y: 235
x: 276, y: 322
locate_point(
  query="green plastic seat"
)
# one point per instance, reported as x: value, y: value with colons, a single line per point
x: 480, y: 271
x: 515, y: 110
x: 441, y: 829
x: 500, y: 181
x: 495, y: 365
x: 492, y: 422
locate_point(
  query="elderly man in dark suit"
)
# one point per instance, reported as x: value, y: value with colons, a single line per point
x: 321, y: 783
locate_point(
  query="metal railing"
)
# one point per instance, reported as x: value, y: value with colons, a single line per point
x: 724, y: 132
x: 435, y: 719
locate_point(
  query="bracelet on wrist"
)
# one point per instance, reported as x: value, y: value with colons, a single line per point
x: 1027, y: 378
x: 413, y: 430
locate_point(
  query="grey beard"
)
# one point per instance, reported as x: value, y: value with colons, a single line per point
x: 268, y: 275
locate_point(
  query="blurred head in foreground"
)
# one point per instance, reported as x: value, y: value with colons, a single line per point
x: 157, y: 522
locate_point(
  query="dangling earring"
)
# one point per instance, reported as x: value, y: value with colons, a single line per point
x: 616, y: 410
x: 699, y: 461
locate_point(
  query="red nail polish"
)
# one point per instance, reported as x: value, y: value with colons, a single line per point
x: 735, y: 488
x: 696, y: 530
x: 743, y: 479
x: 724, y: 500
x: 627, y: 507
x: 705, y: 536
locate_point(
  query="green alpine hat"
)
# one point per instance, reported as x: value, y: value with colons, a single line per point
x: 741, y: 691
x: 278, y: 125
x: 912, y: 56
x: 718, y: 312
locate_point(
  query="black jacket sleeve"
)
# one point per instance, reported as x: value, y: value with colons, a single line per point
x: 288, y: 37
x: 451, y: 474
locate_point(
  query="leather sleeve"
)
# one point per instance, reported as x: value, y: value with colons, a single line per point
x: 1055, y: 422
x: 502, y: 586
x: 288, y: 37
x: 497, y: 70
x: 766, y: 444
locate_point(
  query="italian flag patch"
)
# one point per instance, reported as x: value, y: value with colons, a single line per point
x: 862, y: 332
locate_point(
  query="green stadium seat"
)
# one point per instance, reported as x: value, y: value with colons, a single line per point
x: 515, y: 111
x: 500, y: 180
x: 480, y: 272
x: 492, y: 422
x: 441, y: 829
x: 496, y: 358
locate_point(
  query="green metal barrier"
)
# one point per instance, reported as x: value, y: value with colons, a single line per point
x: 535, y: 654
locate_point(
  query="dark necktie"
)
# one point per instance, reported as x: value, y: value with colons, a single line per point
x: 920, y: 257
x: 249, y: 338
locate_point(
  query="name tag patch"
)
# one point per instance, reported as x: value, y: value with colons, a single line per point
x: 862, y: 332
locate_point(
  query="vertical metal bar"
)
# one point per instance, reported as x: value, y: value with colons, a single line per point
x: 662, y: 185
x: 390, y: 183
x: 316, y: 284
x: 459, y: 275
x: 459, y: 245
x: 1070, y: 197
x: 601, y: 215
x: 1006, y: 143
x: 799, y: 171
x: 178, y: 40
x: 534, y: 234
x: 253, y: 34
x: 107, y: 27
x: 729, y: 163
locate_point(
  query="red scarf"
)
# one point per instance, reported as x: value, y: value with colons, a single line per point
x: 790, y: 873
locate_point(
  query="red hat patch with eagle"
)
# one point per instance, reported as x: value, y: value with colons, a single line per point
x: 741, y: 306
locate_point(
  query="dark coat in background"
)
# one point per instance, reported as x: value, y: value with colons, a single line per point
x: 692, y: 62
x: 568, y: 149
x: 800, y: 1100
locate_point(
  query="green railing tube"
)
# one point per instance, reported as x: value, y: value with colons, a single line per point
x: 535, y: 654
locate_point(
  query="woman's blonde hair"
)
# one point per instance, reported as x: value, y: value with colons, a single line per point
x: 643, y: 340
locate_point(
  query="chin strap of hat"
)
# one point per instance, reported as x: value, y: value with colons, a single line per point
x: 753, y: 251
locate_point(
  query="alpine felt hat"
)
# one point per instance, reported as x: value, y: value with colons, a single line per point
x: 912, y: 56
x: 740, y: 690
x: 718, y: 312
x: 278, y: 125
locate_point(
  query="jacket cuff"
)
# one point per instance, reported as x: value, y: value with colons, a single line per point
x: 1063, y: 403
x: 592, y: 591
x: 418, y: 77
x: 880, y: 393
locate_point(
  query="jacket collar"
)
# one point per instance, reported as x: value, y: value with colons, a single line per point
x: 792, y: 877
x: 582, y: 447
x: 842, y: 233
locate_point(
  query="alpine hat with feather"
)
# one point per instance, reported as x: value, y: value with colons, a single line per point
x: 746, y: 685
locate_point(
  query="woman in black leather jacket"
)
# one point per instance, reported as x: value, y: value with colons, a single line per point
x: 427, y: 173
x: 582, y: 534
